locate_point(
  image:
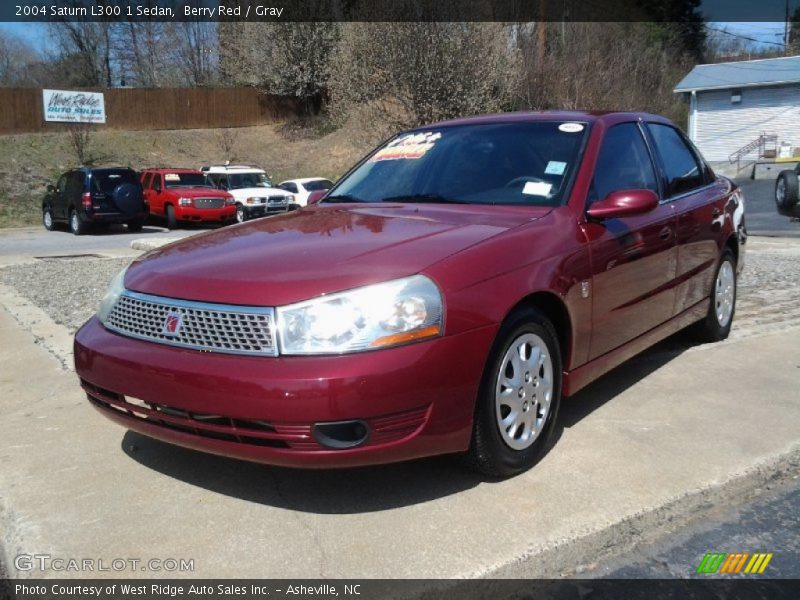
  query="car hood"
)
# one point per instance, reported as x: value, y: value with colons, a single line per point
x: 317, y: 250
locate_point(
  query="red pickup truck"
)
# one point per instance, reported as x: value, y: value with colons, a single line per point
x: 181, y: 195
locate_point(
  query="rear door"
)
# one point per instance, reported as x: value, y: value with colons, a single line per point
x: 633, y: 258
x: 699, y: 207
x: 59, y: 197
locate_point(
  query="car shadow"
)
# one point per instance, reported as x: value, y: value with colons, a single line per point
x: 371, y: 489
x: 337, y: 491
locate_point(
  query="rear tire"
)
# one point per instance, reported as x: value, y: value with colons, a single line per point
x: 787, y: 190
x: 172, y: 222
x: 76, y: 225
x: 722, y: 307
x: 47, y: 219
x: 519, y: 397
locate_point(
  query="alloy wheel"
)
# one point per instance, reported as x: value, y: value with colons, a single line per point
x: 523, y: 391
x: 724, y: 293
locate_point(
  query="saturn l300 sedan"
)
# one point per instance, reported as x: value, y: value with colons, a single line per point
x: 443, y: 297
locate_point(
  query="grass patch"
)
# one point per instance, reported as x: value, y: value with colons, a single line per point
x: 20, y: 211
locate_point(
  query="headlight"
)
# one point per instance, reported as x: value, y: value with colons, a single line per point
x: 376, y: 316
x: 184, y: 201
x: 254, y: 200
x: 230, y: 200
x: 112, y: 295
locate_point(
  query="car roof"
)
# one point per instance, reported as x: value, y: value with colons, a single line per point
x: 233, y: 169
x: 304, y: 180
x: 547, y: 115
x: 178, y: 170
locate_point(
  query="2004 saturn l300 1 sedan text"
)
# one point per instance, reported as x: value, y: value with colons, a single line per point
x: 441, y: 298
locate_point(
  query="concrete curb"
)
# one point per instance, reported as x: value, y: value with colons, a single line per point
x: 152, y: 243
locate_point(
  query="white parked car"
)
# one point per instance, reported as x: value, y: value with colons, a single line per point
x: 252, y: 189
x: 301, y: 188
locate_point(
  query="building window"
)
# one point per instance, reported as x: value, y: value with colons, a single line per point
x: 736, y: 96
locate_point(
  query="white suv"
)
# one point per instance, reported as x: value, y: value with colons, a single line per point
x: 252, y: 189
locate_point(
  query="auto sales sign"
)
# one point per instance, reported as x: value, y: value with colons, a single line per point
x: 73, y: 107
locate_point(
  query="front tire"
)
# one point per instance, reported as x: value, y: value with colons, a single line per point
x: 787, y: 190
x: 172, y: 222
x: 717, y: 324
x: 76, y: 225
x: 519, y: 397
x: 241, y: 215
x: 47, y: 218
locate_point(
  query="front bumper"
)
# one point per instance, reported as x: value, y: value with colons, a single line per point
x: 261, y: 210
x: 190, y: 213
x: 415, y: 400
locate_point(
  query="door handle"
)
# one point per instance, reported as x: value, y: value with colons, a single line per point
x: 665, y: 233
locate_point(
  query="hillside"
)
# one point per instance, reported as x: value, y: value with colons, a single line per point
x: 29, y: 162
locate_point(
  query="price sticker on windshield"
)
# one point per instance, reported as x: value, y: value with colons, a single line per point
x: 411, y: 146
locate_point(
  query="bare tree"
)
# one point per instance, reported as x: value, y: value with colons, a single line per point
x: 80, y: 139
x: 194, y: 52
x: 141, y: 48
x: 84, y: 51
x: 601, y: 66
x: 226, y: 142
x: 289, y: 59
x: 405, y: 74
x: 16, y: 58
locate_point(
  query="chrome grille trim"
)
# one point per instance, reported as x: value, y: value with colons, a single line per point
x: 209, y: 202
x: 221, y: 328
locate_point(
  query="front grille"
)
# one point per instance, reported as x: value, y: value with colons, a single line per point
x: 210, y: 327
x: 209, y: 202
x: 277, y: 200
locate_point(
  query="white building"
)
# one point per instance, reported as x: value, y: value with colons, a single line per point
x: 734, y: 106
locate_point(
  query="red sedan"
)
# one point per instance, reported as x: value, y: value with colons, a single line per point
x: 441, y: 298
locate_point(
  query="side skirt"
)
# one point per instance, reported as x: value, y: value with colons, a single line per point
x: 585, y: 374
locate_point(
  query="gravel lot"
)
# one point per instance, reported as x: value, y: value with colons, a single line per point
x: 70, y: 289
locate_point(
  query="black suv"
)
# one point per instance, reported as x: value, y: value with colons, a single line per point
x: 83, y: 197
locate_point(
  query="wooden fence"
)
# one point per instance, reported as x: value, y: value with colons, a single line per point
x: 21, y: 109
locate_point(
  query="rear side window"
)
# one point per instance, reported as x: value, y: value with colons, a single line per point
x: 682, y: 169
x: 106, y: 181
x: 318, y: 184
x: 289, y: 187
x: 75, y: 182
x: 623, y: 163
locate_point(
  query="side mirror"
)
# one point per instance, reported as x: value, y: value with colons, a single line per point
x: 624, y: 204
x: 51, y: 188
x: 316, y: 196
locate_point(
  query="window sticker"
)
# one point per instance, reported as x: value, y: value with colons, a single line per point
x: 537, y: 188
x: 571, y: 127
x: 411, y: 146
x: 172, y: 177
x: 555, y: 167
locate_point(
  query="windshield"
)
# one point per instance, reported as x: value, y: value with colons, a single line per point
x: 493, y: 163
x: 318, y: 184
x: 247, y: 180
x: 180, y: 180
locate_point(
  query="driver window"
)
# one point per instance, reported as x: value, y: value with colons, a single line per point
x: 623, y: 163
x: 62, y: 183
x: 156, y: 182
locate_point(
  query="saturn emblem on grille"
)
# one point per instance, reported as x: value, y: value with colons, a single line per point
x: 172, y: 324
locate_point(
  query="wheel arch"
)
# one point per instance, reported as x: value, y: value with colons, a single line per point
x: 553, y: 307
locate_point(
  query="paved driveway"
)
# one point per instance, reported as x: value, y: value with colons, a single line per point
x: 762, y: 218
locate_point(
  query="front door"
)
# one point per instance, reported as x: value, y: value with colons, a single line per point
x: 633, y: 258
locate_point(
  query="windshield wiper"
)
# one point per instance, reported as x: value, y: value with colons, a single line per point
x: 424, y: 198
x: 341, y: 198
